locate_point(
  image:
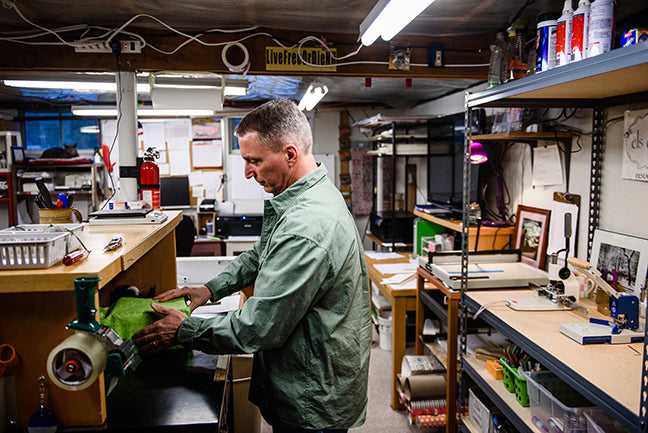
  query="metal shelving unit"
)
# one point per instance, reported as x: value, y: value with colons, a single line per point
x: 614, y: 78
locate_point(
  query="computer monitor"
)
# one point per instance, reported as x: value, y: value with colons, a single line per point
x: 174, y: 192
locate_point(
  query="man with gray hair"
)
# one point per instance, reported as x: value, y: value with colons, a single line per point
x: 308, y: 322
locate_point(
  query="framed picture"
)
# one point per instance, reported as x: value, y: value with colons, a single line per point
x: 531, y: 233
x: 18, y: 154
x: 622, y: 259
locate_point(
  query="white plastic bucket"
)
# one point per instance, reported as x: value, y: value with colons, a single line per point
x: 385, y: 332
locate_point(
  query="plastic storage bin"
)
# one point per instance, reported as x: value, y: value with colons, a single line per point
x: 74, y: 229
x: 554, y: 404
x: 37, y: 246
x: 599, y: 422
x: 513, y: 382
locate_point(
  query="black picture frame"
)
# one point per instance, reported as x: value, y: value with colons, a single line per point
x: 18, y: 155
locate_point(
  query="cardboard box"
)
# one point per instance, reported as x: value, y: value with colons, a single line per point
x: 480, y: 412
x: 246, y: 416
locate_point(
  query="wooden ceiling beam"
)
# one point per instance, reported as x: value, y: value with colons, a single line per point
x: 198, y: 57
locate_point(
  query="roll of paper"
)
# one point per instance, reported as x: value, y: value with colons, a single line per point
x: 425, y: 385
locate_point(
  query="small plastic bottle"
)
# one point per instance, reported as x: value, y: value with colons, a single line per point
x: 497, y: 51
x: 564, y: 34
x: 601, y: 27
x: 546, y: 41
x: 580, y: 28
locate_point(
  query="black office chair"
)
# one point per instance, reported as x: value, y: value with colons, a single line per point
x: 185, y: 234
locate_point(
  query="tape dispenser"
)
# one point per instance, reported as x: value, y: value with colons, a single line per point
x: 77, y: 362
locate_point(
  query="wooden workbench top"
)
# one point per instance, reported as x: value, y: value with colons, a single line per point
x: 137, y: 240
x: 609, y: 369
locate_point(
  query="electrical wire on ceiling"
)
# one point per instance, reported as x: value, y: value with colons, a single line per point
x: 109, y: 34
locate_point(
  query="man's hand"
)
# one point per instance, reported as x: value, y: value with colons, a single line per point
x: 161, y: 334
x: 197, y: 295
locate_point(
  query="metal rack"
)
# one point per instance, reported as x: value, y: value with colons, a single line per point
x: 614, y: 78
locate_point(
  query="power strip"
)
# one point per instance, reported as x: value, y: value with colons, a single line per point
x: 125, y: 47
x: 95, y: 47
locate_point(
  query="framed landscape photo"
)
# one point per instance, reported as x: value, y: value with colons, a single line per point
x: 531, y: 233
x: 621, y: 259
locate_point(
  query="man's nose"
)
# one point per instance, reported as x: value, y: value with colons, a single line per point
x: 248, y: 170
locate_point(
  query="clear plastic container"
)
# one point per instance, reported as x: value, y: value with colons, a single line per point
x: 555, y: 404
x: 599, y: 422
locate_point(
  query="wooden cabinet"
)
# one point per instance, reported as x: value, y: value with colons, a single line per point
x: 36, y: 305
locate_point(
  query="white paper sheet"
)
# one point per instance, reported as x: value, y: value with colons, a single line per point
x: 179, y: 164
x: 379, y: 255
x: 547, y: 169
x: 225, y: 305
x: 396, y: 268
x: 207, y: 154
x: 557, y: 227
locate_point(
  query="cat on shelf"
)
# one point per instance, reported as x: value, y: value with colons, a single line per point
x: 65, y: 152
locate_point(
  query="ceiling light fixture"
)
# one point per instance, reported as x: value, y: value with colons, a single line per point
x: 389, y: 17
x: 106, y: 83
x: 478, y: 153
x: 95, y: 111
x: 78, y: 86
x: 313, y: 95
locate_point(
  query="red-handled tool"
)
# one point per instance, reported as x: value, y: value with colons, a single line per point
x: 74, y: 257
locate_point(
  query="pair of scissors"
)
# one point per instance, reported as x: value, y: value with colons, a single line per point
x: 7, y: 356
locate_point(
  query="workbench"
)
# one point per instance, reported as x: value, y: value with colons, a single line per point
x: 401, y: 301
x: 36, y: 305
x: 609, y: 375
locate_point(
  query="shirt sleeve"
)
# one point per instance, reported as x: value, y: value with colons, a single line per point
x: 238, y: 275
x: 289, y: 283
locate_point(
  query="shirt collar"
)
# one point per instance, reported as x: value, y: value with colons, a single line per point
x: 282, y: 201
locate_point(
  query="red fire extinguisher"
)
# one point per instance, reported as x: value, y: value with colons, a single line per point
x: 150, y: 178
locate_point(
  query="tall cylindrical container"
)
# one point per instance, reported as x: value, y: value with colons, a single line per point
x: 580, y: 27
x: 601, y: 27
x: 564, y: 34
x: 497, y: 54
x: 546, y: 41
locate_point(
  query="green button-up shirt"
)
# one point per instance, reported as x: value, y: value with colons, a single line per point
x: 309, y: 321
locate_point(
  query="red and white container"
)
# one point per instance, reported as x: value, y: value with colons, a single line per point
x: 580, y: 28
x: 564, y: 35
x: 601, y: 27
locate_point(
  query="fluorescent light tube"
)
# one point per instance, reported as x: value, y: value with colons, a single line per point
x: 80, y: 86
x: 89, y: 111
x: 313, y: 95
x: 395, y: 15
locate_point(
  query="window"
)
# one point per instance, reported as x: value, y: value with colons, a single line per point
x: 47, y: 130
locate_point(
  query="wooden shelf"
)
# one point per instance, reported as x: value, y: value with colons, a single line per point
x: 524, y: 136
x: 494, y: 389
x: 607, y: 79
x: 615, y: 389
x: 490, y: 238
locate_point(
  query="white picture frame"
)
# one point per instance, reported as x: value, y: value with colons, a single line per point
x: 625, y: 255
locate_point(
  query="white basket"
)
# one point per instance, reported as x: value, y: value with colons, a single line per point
x: 73, y: 240
x: 32, y: 250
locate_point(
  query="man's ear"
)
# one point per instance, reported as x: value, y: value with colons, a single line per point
x: 292, y: 153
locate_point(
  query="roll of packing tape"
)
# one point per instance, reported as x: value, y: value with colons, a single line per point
x: 76, y: 362
x: 236, y: 68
